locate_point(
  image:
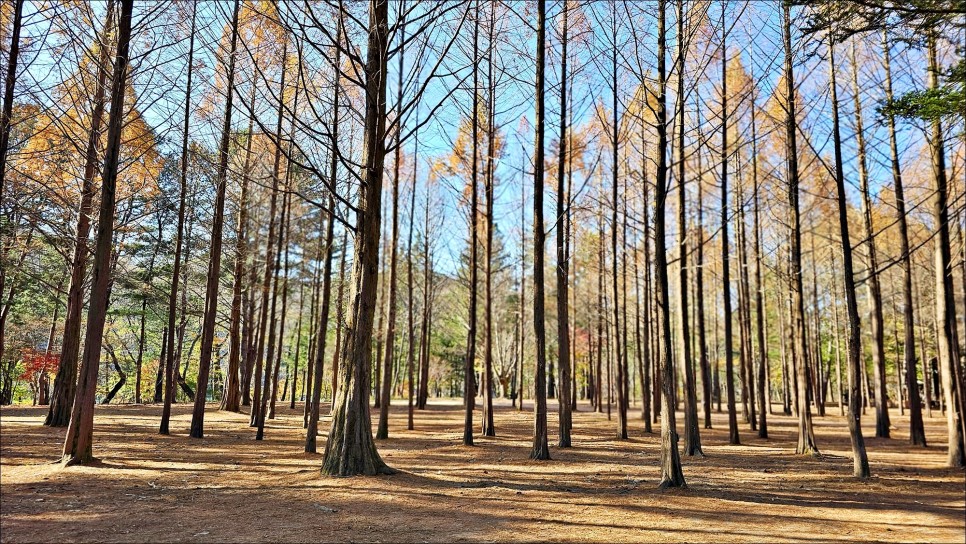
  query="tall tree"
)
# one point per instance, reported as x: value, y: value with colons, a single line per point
x: 860, y: 465
x: 692, y: 436
x: 565, y: 419
x: 540, y: 449
x: 806, y: 435
x: 78, y: 445
x: 214, y: 263
x: 489, y: 179
x: 65, y: 382
x: 469, y: 364
x: 382, y: 432
x: 350, y: 448
x: 917, y: 433
x: 733, y: 437
x: 945, y: 310
x: 671, y: 473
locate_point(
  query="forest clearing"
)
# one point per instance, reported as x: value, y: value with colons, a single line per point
x: 231, y: 488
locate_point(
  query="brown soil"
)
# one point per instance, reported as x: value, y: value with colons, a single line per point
x: 230, y: 488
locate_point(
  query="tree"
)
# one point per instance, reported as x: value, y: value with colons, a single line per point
x: 78, y: 445
x: 671, y: 473
x: 953, y: 387
x: 540, y: 449
x: 806, y: 435
x: 214, y: 263
x: 692, y: 437
x: 65, y: 383
x: 860, y: 466
x: 917, y: 433
x: 350, y: 449
x: 733, y: 437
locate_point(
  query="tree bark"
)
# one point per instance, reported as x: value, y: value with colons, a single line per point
x: 806, y: 435
x: 860, y: 462
x: 917, y: 435
x: 65, y: 382
x: 540, y: 449
x: 565, y: 418
x: 945, y: 311
x: 733, y: 437
x: 214, y: 262
x: 671, y: 473
x: 78, y: 445
x: 350, y: 449
x: 489, y: 179
x: 692, y: 436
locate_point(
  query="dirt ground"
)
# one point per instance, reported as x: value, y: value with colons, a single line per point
x: 230, y: 488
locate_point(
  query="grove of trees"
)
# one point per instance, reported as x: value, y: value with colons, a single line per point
x: 633, y: 206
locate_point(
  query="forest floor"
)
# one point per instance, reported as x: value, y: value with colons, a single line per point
x: 230, y: 488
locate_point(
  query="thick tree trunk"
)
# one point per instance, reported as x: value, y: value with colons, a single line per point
x: 65, y: 382
x: 78, y: 445
x: 860, y: 466
x: 540, y: 449
x: 350, y: 449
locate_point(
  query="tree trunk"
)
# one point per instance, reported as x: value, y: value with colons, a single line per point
x: 488, y: 180
x: 271, y: 265
x: 806, y: 435
x: 917, y: 435
x: 540, y: 449
x: 874, y: 288
x: 860, y: 465
x: 214, y: 262
x: 285, y: 274
x: 945, y: 312
x: 65, y: 382
x: 764, y: 369
x: 671, y: 474
x: 270, y: 352
x: 615, y: 149
x: 233, y: 390
x: 350, y: 449
x: 733, y: 437
x: 387, y: 375
x: 121, y: 377
x: 692, y: 436
x: 78, y: 445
